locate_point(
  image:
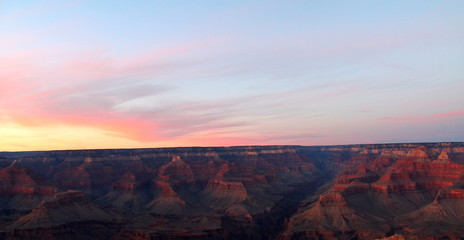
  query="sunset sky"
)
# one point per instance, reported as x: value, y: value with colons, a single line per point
x: 125, y: 74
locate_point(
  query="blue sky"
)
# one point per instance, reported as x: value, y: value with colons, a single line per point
x: 94, y: 74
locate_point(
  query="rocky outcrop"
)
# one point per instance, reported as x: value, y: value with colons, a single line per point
x: 443, y: 158
x: 166, y: 200
x: 65, y: 207
x: 419, y: 174
x: 176, y: 170
x: 443, y: 218
x: 73, y: 178
x: 417, y: 189
x: 418, y: 154
x: 58, y: 217
x: 331, y: 199
x: 128, y: 193
x: 21, y: 190
x: 331, y: 217
x: 449, y: 194
x: 16, y: 180
x: 127, y: 182
x: 221, y: 194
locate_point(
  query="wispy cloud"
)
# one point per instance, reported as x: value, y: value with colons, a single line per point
x: 210, y: 77
x: 415, y: 119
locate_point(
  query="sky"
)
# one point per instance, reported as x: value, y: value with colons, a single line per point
x: 90, y: 74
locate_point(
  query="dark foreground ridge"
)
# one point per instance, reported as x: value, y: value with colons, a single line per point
x: 375, y: 191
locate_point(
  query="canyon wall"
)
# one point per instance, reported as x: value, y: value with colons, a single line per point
x: 257, y: 192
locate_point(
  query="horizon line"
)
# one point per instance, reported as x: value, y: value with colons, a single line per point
x: 237, y: 146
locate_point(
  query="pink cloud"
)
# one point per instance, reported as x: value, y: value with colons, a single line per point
x: 414, y: 119
x: 86, y: 91
x: 448, y: 114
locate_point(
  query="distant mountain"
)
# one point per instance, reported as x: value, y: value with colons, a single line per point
x: 376, y: 191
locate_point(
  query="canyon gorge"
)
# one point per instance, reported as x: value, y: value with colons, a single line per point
x: 370, y: 191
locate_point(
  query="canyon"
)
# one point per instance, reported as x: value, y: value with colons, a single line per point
x: 370, y: 191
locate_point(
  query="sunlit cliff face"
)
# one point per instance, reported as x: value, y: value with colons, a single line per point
x: 72, y: 75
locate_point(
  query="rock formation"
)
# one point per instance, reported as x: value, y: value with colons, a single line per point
x: 373, y: 191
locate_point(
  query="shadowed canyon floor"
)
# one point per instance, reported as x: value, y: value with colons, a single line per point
x: 379, y: 191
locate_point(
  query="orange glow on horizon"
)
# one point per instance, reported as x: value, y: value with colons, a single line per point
x: 16, y: 137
